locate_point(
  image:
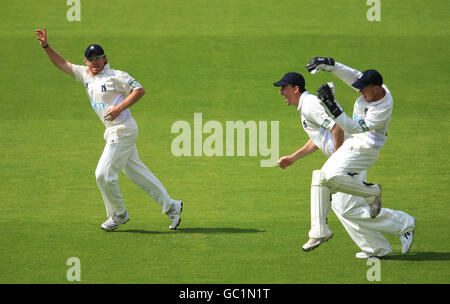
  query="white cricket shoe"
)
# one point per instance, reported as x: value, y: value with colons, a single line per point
x: 407, y: 239
x: 313, y: 243
x: 376, y: 205
x: 365, y: 255
x: 174, y: 214
x: 114, y: 221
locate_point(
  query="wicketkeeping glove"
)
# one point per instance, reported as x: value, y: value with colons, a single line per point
x: 317, y: 64
x: 326, y: 94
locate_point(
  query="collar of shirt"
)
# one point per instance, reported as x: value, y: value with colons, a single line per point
x: 105, y: 68
x: 300, y: 102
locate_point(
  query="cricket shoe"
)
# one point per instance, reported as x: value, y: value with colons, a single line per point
x: 407, y: 239
x: 174, y: 214
x: 114, y: 221
x: 365, y: 255
x: 313, y: 243
x: 375, y: 205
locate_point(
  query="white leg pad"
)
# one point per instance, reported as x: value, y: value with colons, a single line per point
x: 320, y: 206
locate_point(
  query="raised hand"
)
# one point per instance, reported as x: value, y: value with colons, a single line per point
x: 42, y: 36
x: 317, y: 64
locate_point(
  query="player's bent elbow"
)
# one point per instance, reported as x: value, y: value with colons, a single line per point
x: 141, y: 91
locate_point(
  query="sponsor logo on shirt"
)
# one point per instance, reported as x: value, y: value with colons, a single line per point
x: 325, y: 123
x: 363, y: 125
x: 98, y: 106
x: 133, y: 83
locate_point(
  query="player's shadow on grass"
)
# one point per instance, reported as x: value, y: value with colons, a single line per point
x: 198, y: 230
x: 420, y: 256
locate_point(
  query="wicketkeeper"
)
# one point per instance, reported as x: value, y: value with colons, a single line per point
x: 345, y: 170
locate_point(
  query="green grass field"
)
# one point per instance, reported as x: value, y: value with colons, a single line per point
x: 241, y: 223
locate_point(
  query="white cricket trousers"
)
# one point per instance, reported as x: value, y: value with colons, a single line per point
x: 340, y: 171
x: 354, y: 214
x: 120, y: 154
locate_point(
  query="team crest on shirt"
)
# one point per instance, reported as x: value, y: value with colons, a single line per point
x: 103, y: 87
x: 133, y: 83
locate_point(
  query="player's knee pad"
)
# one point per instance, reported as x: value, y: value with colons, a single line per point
x: 328, y: 179
x: 318, y: 188
x: 316, y: 178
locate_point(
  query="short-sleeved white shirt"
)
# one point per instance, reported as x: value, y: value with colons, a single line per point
x: 371, y: 120
x: 316, y: 123
x: 106, y: 89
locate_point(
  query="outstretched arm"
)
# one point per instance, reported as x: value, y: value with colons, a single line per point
x: 307, y: 149
x: 346, y: 74
x: 55, y: 58
x: 343, y: 72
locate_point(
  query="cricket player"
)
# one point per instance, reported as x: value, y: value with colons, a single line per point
x: 111, y: 93
x: 367, y: 129
x: 352, y: 211
x: 323, y: 134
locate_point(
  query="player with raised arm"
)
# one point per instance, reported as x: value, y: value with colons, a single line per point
x: 112, y: 93
x: 367, y: 134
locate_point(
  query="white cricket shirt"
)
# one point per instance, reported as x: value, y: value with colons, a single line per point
x: 371, y: 120
x: 106, y: 89
x: 316, y: 123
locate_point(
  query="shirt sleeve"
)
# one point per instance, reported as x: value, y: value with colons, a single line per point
x: 319, y: 116
x: 351, y: 126
x: 79, y: 71
x: 376, y: 118
x: 127, y: 83
x: 346, y: 74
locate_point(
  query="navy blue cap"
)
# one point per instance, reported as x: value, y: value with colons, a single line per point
x: 93, y: 48
x: 368, y: 77
x: 292, y: 78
